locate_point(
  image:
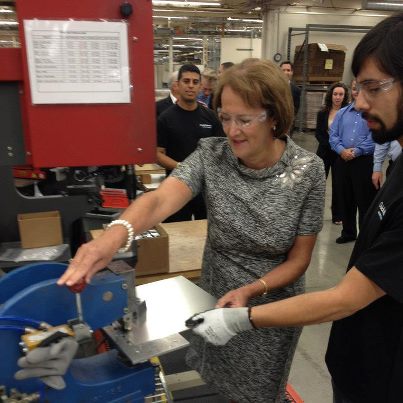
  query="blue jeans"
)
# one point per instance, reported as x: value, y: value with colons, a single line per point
x: 338, y: 396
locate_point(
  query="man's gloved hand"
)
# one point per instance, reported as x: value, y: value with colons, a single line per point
x: 220, y: 325
x: 48, y: 363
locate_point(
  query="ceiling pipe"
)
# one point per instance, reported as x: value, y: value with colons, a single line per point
x: 390, y: 5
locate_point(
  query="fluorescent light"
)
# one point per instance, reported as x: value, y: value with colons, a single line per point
x: 170, y: 18
x: 245, y: 20
x: 186, y: 39
x: 11, y: 23
x: 183, y: 46
x: 184, y: 3
x: 372, y: 15
x: 358, y: 14
x: 396, y: 4
x: 167, y: 51
x: 307, y: 12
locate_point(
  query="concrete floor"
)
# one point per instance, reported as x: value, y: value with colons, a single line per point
x: 309, y: 375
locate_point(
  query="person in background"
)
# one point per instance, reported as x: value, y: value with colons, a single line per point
x: 265, y: 198
x: 224, y: 66
x: 336, y: 97
x: 288, y: 70
x: 390, y: 149
x: 350, y: 137
x: 354, y: 90
x: 208, y: 84
x: 180, y: 128
x: 364, y: 354
x: 170, y: 100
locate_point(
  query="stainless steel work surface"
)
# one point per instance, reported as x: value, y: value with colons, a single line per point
x: 138, y: 353
x: 169, y: 303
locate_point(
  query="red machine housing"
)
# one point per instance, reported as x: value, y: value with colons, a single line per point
x: 88, y: 134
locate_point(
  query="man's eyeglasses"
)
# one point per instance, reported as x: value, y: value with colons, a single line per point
x: 372, y: 88
x: 241, y: 121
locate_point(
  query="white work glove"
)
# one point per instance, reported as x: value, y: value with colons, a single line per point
x: 48, y: 363
x: 220, y: 325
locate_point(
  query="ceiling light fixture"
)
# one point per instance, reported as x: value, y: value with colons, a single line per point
x: 178, y: 38
x: 326, y: 13
x: 170, y: 18
x: 245, y: 20
x: 236, y: 30
x: 184, y: 3
x: 182, y: 46
x: 8, y: 23
x: 383, y: 5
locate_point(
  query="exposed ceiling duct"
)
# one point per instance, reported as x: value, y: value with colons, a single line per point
x: 390, y: 5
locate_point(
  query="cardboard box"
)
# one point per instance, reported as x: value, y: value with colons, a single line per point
x: 152, y: 253
x: 314, y: 101
x: 40, y: 229
x: 149, y: 169
x: 145, y: 178
x: 325, y: 62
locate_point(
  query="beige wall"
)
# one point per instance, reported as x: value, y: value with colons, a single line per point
x: 275, y: 32
x: 237, y: 49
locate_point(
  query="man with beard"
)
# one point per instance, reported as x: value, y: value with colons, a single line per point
x: 179, y: 128
x: 365, y: 351
x: 350, y: 138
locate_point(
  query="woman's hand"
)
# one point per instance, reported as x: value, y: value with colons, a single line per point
x: 234, y: 298
x: 93, y: 256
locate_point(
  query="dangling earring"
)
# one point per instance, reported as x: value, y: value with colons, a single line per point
x: 274, y: 131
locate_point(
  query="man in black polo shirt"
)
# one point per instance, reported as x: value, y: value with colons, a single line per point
x: 179, y: 129
x: 365, y: 351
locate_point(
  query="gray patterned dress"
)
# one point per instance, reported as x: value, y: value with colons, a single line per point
x: 253, y: 219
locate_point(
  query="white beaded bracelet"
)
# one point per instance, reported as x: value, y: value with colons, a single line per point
x: 130, y: 233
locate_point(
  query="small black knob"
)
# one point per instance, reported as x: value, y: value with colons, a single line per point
x: 126, y: 10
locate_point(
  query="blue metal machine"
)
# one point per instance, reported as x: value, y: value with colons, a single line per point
x: 30, y: 293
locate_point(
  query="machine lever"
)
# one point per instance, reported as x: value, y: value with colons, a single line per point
x: 77, y: 289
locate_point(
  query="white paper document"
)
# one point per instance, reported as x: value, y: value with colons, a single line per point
x: 73, y: 62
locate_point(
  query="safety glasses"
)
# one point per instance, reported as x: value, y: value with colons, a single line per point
x: 241, y: 121
x: 372, y: 88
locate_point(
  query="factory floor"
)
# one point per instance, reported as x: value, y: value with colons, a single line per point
x: 309, y: 376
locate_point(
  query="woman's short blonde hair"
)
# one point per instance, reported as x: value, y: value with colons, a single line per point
x: 260, y: 83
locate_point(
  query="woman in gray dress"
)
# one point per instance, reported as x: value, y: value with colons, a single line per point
x: 265, y: 198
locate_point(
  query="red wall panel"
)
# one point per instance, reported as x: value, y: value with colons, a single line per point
x: 94, y: 134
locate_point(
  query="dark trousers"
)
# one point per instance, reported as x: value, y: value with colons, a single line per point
x: 329, y: 158
x: 389, y: 168
x: 356, y: 189
x: 338, y: 396
x: 196, y: 208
